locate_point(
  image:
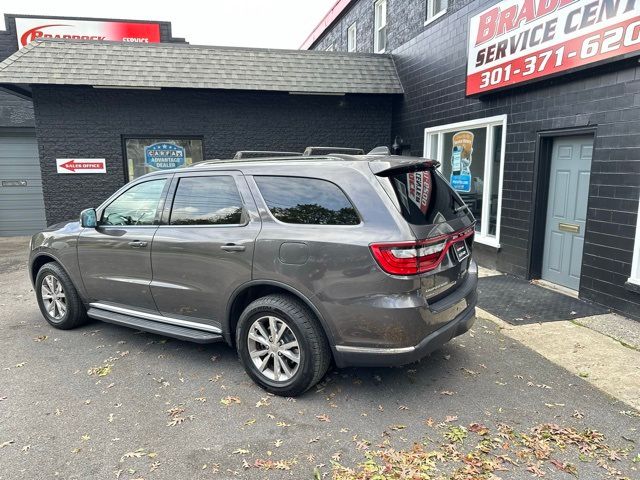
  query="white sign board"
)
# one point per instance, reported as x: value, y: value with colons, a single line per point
x: 29, y: 28
x: 517, y: 41
x: 81, y: 165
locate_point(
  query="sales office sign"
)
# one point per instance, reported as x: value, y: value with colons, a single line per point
x: 518, y: 41
x: 81, y: 165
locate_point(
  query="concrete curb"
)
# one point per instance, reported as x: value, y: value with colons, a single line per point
x: 597, y: 358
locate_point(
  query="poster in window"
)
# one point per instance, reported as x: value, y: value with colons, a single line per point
x: 461, y: 158
x: 164, y: 156
x: 419, y: 186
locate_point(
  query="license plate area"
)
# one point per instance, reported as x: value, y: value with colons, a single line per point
x: 460, y: 250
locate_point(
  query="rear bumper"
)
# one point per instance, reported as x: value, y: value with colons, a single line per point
x: 353, y: 356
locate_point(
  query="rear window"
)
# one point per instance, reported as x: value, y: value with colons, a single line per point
x: 425, y: 198
x: 309, y: 201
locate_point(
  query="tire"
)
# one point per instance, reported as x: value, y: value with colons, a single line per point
x: 51, y: 275
x: 313, y: 352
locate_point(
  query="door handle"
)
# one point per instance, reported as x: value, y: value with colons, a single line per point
x: 232, y: 247
x: 137, y: 244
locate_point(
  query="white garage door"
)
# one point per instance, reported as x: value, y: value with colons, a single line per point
x: 21, y: 203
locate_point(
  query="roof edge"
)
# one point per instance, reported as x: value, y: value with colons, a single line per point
x: 332, y: 15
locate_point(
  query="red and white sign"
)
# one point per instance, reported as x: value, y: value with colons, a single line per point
x: 29, y: 29
x: 518, y: 41
x: 81, y: 165
x: 419, y: 189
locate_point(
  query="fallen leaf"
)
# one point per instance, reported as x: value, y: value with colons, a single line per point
x: 323, y: 418
x: 230, y: 401
x: 396, y: 428
x: 102, y: 371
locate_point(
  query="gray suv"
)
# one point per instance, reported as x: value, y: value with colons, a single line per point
x: 295, y: 262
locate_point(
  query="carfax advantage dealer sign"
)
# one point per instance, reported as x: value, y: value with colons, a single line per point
x: 517, y: 41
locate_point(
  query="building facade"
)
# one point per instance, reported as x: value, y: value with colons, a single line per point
x: 555, y: 166
x: 22, y: 203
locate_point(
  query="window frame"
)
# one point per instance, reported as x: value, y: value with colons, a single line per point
x: 352, y: 30
x: 430, y: 15
x: 243, y: 216
x: 248, y: 213
x: 156, y: 138
x: 159, y: 211
x: 634, y: 277
x: 378, y: 25
x: 307, y: 225
x: 488, y: 123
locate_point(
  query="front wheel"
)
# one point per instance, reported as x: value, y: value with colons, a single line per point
x: 58, y: 299
x: 282, y: 345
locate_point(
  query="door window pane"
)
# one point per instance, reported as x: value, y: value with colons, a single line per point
x: 463, y: 166
x: 307, y: 201
x: 144, y: 155
x: 136, y: 206
x: 206, y: 201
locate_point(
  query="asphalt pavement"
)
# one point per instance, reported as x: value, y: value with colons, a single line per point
x: 107, y: 402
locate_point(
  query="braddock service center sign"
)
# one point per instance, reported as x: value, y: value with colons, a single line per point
x: 517, y: 41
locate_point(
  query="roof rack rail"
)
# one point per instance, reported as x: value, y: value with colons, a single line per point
x: 263, y: 153
x: 309, y: 151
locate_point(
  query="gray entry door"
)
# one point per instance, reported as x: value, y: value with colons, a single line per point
x: 21, y: 202
x: 567, y: 210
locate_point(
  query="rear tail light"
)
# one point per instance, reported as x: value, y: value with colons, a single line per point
x: 412, y: 258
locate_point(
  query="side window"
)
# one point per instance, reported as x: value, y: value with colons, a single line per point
x: 307, y: 201
x: 211, y: 200
x: 136, y: 206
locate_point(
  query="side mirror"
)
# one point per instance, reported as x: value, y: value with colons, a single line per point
x: 88, y: 218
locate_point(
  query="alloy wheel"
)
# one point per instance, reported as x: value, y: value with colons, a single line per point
x: 274, y: 348
x: 53, y: 297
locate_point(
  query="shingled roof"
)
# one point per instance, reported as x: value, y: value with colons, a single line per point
x: 173, y: 65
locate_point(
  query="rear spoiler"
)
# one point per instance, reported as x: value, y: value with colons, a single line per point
x: 386, y: 168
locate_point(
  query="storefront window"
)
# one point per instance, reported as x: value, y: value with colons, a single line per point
x: 471, y: 156
x: 144, y: 155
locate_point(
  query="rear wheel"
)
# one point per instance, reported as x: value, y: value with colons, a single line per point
x: 282, y: 345
x: 58, y: 299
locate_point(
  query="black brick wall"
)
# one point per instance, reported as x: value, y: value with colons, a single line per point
x: 14, y: 111
x: 431, y: 63
x: 82, y: 122
x: 405, y: 20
